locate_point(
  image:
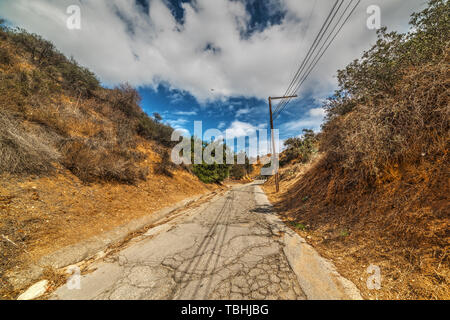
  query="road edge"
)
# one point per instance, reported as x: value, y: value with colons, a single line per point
x: 317, y: 276
x: 91, y: 247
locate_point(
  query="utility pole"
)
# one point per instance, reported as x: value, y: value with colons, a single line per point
x: 274, y: 156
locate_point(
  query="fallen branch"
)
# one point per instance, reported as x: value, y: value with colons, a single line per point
x: 9, y: 240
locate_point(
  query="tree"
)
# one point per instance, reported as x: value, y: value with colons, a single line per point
x: 391, y: 106
x: 211, y: 173
x: 239, y: 171
x: 157, y: 117
x: 300, y: 148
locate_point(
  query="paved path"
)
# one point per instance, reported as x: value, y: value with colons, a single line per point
x: 224, y: 249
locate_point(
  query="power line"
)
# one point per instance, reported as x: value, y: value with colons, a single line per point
x: 310, y: 16
x: 321, y: 51
x: 308, y: 24
x: 306, y: 62
x: 308, y: 67
x: 297, y: 74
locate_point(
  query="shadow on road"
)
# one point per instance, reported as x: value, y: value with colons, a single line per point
x: 263, y: 209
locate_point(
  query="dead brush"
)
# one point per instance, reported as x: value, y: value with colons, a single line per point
x: 91, y: 161
x: 5, y: 57
x: 22, y: 152
x: 165, y: 165
x: 51, y: 117
x: 405, y: 128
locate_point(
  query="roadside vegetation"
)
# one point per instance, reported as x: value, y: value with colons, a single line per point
x: 300, y: 149
x: 55, y: 113
x: 378, y: 194
x: 76, y: 159
x: 241, y: 171
x: 210, y: 172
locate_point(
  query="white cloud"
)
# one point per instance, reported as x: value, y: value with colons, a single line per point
x: 221, y: 125
x: 312, y: 121
x: 242, y: 112
x: 256, y: 145
x: 146, y: 50
x: 176, y: 98
x: 178, y: 123
x: 240, y: 129
x: 317, y: 113
x: 184, y: 132
x: 185, y: 113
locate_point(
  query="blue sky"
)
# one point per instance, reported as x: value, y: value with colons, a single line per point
x: 215, y: 61
x: 180, y: 109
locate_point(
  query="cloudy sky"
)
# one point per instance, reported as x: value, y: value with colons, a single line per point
x: 211, y: 60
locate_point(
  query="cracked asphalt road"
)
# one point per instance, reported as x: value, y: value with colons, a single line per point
x: 223, y: 249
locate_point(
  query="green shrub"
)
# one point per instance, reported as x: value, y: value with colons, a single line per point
x: 211, y: 173
x: 76, y: 79
x: 392, y: 104
x: 299, y: 149
x: 152, y: 130
x: 239, y: 171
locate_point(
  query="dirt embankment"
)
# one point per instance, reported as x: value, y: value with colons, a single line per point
x: 43, y: 214
x: 379, y: 195
x: 400, y: 226
x: 76, y: 159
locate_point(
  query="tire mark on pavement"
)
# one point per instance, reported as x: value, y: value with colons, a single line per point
x: 199, y: 253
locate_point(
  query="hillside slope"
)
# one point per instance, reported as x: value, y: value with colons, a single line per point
x: 401, y: 227
x: 379, y: 193
x: 76, y: 159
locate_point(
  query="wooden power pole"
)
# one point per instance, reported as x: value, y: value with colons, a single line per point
x: 274, y: 155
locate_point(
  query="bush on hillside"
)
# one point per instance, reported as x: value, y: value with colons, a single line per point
x: 76, y: 79
x: 152, y: 130
x: 91, y: 161
x: 392, y: 105
x: 22, y: 152
x: 5, y: 57
x: 299, y: 148
x: 211, y: 173
x: 126, y: 99
x: 239, y: 171
x: 96, y: 130
x: 164, y: 166
x: 53, y: 64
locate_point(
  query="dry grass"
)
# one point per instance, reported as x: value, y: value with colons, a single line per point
x: 401, y: 226
x: 92, y: 131
x: 407, y: 127
x: 165, y: 165
x: 44, y: 214
x: 22, y: 152
x: 90, y: 161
